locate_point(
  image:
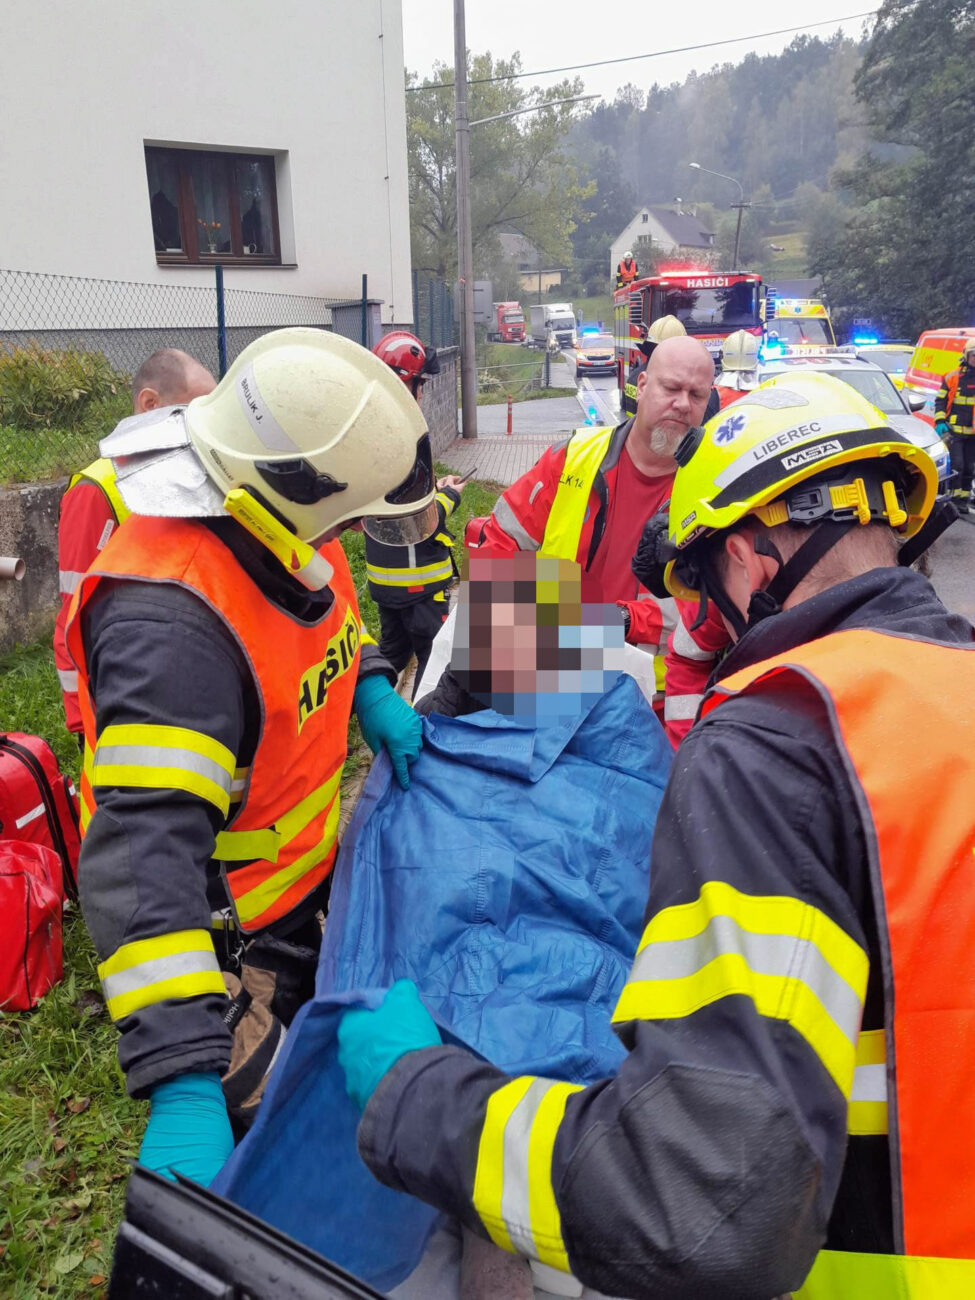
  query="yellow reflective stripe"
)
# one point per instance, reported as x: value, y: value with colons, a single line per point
x: 846, y: 1275
x: 867, y: 1113
x: 445, y: 501
x: 787, y: 956
x: 489, y: 1174
x: 178, y: 965
x: 264, y: 895
x: 406, y: 577
x: 365, y: 636
x: 444, y: 539
x: 513, y: 1192
x: 238, y: 784
x: 102, y: 473
x: 84, y: 815
x: 246, y: 846
x: 584, y: 454
x: 147, y: 756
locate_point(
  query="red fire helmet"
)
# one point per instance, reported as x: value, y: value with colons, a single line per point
x: 411, y: 359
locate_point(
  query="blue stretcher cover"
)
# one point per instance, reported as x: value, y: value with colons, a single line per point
x: 509, y: 882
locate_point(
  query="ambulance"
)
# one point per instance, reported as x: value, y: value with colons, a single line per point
x: 936, y: 354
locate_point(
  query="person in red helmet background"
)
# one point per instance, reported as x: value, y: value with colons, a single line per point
x: 409, y: 583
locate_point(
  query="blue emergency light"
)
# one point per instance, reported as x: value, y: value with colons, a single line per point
x: 772, y: 348
x: 862, y: 340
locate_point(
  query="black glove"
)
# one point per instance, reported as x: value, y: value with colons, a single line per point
x: 653, y: 553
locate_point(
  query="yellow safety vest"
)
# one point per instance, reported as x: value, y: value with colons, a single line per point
x: 101, y: 472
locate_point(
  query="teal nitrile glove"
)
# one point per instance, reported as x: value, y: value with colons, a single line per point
x: 371, y: 1042
x: 387, y: 719
x: 942, y: 429
x: 188, y: 1131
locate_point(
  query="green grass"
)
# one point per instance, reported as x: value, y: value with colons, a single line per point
x: 790, y: 264
x: 594, y: 309
x: 507, y: 369
x: 30, y: 455
x: 68, y: 1128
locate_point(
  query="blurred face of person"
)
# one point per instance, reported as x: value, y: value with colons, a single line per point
x: 672, y: 395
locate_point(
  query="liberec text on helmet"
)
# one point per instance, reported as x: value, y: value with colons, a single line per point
x: 840, y: 423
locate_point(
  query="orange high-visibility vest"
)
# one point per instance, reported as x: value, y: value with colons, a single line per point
x: 280, y: 839
x: 909, y: 753
x: 626, y: 271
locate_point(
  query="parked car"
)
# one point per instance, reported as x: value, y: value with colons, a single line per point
x: 877, y: 387
x: 892, y: 358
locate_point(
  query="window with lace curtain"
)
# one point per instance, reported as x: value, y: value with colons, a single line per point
x: 213, y: 207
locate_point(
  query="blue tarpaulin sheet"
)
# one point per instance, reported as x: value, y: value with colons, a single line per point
x: 509, y: 882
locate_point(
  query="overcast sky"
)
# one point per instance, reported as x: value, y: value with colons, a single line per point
x: 549, y: 33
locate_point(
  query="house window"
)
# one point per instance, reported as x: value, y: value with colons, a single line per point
x: 644, y: 217
x: 213, y: 207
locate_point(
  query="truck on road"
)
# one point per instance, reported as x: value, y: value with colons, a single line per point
x: 556, y: 318
x: 507, y: 323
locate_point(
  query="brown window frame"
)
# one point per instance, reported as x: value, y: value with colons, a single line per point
x: 189, y: 229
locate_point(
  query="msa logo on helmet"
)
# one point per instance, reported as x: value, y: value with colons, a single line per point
x: 339, y: 658
x: 816, y: 452
x: 731, y: 428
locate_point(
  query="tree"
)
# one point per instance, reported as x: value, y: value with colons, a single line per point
x: 520, y: 180
x: 903, y: 257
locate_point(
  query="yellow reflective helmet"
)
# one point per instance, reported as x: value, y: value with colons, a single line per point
x: 800, y: 448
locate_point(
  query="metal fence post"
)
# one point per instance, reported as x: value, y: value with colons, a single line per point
x: 548, y: 370
x: 221, y: 325
x: 364, y: 340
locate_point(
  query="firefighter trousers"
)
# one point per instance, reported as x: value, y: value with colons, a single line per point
x: 962, y: 450
x: 407, y: 630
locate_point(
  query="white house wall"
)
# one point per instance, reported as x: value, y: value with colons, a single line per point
x: 318, y: 82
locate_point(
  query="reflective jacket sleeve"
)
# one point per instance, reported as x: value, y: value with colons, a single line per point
x: 85, y: 524
x: 708, y: 1166
x: 517, y: 522
x: 689, y: 660
x: 169, y: 687
x: 942, y: 401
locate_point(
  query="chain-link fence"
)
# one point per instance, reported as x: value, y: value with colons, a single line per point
x: 69, y: 346
x: 433, y: 311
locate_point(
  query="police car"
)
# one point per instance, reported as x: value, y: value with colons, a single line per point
x: 876, y: 386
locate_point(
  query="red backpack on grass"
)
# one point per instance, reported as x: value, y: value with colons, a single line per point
x: 31, y: 899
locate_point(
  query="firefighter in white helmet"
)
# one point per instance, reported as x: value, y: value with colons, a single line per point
x: 739, y: 366
x: 220, y: 655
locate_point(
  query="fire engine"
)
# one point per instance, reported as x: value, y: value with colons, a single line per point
x: 710, y: 305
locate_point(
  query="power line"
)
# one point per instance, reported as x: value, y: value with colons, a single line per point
x: 654, y: 54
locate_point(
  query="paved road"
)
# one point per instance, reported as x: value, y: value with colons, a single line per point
x: 953, y: 567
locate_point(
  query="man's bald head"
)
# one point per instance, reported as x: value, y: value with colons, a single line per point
x: 672, y: 393
x: 169, y: 378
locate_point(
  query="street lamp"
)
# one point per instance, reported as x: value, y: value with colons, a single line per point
x: 465, y: 239
x: 740, y: 205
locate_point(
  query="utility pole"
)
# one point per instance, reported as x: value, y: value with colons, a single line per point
x: 465, y: 243
x: 741, y: 208
x: 741, y: 205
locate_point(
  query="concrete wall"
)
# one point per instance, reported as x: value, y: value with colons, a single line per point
x: 29, y: 528
x: 440, y: 401
x: 318, y: 84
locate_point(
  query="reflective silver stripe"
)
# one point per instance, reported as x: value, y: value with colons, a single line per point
x: 68, y: 677
x: 534, y: 492
x: 515, y: 1206
x: 684, y: 644
x: 869, y: 1083
x: 677, y: 708
x: 783, y: 955
x: 506, y: 518
x: 68, y: 581
x: 30, y: 816
x: 157, y: 970
x: 154, y: 756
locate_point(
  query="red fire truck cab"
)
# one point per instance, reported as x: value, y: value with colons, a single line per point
x: 710, y: 305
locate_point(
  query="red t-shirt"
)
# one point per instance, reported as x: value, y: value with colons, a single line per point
x: 633, y: 499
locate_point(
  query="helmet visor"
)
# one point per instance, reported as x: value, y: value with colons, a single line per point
x: 403, y: 530
x: 417, y: 487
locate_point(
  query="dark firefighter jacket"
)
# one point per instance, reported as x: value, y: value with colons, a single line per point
x: 156, y: 653
x: 716, y: 1163
x: 402, y: 575
x: 956, y: 399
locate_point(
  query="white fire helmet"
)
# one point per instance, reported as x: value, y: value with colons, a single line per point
x: 665, y: 327
x: 322, y: 433
x: 740, y: 351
